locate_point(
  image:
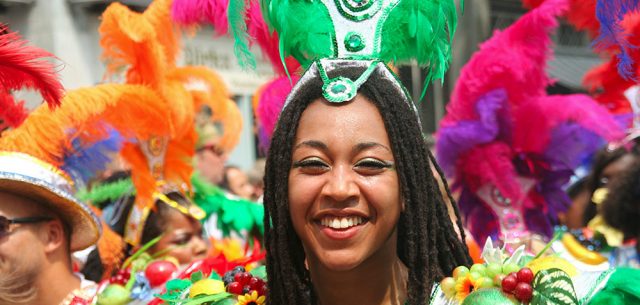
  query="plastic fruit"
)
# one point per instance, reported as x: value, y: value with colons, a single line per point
x: 497, y: 280
x: 235, y: 288
x: 484, y: 282
x: 511, y: 267
x: 509, y: 283
x: 580, y: 252
x: 113, y: 295
x: 475, y: 276
x: 523, y: 292
x: 262, y: 290
x: 206, y: 287
x: 243, y: 278
x: 479, y: 268
x: 448, y: 286
x: 552, y: 261
x: 491, y: 296
x: 525, y: 275
x: 159, y: 272
x: 460, y: 271
x: 493, y: 269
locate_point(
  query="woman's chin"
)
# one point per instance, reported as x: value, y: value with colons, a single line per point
x: 340, y: 262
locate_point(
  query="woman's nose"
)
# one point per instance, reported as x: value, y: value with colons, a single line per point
x: 341, y: 185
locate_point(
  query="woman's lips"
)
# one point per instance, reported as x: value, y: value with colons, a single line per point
x: 341, y: 227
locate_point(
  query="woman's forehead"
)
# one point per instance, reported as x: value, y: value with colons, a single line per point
x: 357, y: 120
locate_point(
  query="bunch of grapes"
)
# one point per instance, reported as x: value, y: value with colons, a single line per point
x: 519, y: 284
x: 121, y: 278
x: 239, y: 281
x: 480, y: 275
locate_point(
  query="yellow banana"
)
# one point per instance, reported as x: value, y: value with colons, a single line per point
x: 580, y: 252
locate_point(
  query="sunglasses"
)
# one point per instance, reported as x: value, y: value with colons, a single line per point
x: 6, y: 223
x: 212, y: 148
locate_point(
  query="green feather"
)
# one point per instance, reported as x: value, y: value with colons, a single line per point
x: 105, y: 193
x: 304, y: 27
x: 234, y: 214
x: 420, y: 30
x: 236, y: 15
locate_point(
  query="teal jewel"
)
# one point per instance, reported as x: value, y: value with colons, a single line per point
x: 338, y: 90
x: 354, y: 42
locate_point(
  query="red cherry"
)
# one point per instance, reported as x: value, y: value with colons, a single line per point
x: 243, y: 278
x: 509, y: 283
x: 525, y: 275
x: 523, y: 292
x: 262, y: 290
x: 159, y: 272
x: 255, y: 282
x: 235, y: 288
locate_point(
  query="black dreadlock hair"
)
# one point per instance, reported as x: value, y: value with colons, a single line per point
x: 621, y: 208
x: 427, y: 241
x: 603, y: 159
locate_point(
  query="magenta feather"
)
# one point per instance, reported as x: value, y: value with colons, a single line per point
x: 536, y: 120
x: 194, y: 12
x: 514, y: 59
x: 271, y: 102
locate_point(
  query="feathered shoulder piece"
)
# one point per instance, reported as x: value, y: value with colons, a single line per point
x: 23, y: 66
x: 611, y: 14
x: 513, y: 59
x: 509, y: 145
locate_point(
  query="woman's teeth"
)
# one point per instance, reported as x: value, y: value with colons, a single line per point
x: 341, y: 222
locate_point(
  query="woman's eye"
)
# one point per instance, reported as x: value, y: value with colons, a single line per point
x: 182, y: 240
x: 373, y: 165
x: 311, y: 164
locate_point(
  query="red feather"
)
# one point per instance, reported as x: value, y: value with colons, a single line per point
x: 12, y: 112
x: 24, y: 66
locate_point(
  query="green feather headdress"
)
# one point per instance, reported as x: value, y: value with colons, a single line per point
x: 388, y: 31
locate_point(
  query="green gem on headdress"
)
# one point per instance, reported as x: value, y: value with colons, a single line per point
x: 354, y: 42
x: 342, y: 89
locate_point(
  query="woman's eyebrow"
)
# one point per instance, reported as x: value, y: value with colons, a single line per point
x: 312, y: 144
x: 366, y: 145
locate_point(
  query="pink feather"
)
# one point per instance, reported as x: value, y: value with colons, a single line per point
x: 24, y: 66
x: 267, y: 40
x: 490, y: 163
x: 193, y: 12
x: 514, y: 59
x: 537, y: 119
x: 272, y: 100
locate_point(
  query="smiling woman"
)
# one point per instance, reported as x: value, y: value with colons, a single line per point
x: 356, y: 214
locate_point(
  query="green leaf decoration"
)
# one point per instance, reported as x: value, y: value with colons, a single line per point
x: 196, y: 276
x: 215, y: 276
x: 553, y: 287
x: 213, y: 299
x: 259, y: 272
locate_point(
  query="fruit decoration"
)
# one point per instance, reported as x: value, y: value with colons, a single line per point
x: 137, y: 278
x: 504, y: 279
x: 236, y: 287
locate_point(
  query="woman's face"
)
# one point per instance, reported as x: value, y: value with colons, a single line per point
x: 183, y: 235
x: 343, y: 188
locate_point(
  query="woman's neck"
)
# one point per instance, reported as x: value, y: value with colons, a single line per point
x: 376, y: 281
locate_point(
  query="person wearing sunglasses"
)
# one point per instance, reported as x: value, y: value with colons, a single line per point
x: 41, y: 224
x: 210, y: 157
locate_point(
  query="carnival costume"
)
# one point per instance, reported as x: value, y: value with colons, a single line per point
x: 48, y: 155
x: 510, y: 146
